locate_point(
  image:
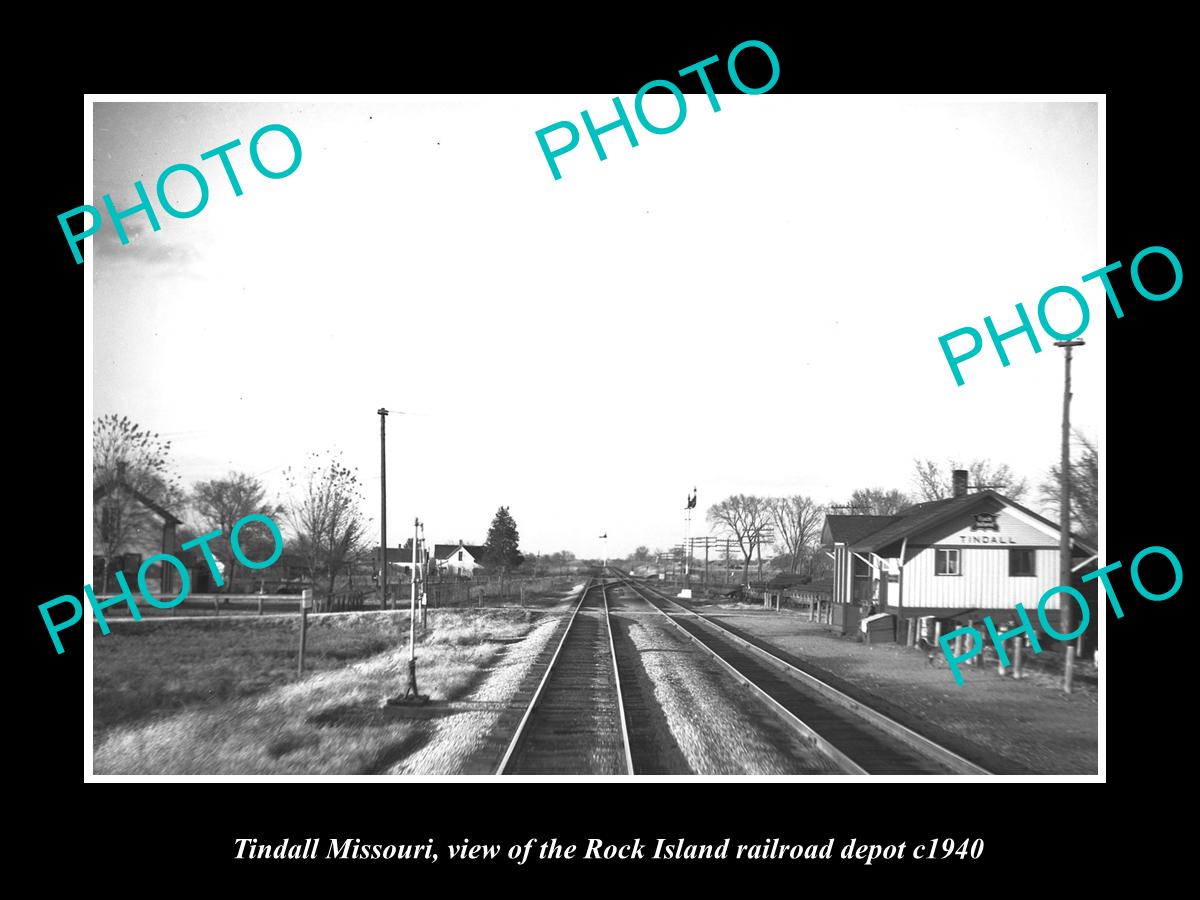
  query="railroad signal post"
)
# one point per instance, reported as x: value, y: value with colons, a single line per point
x: 412, y: 697
x: 686, y: 592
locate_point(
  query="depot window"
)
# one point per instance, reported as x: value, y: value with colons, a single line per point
x: 1022, y: 563
x: 946, y: 562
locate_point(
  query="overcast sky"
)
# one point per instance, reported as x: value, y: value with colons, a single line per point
x: 749, y: 304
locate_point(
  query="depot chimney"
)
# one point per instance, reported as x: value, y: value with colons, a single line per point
x: 959, y: 481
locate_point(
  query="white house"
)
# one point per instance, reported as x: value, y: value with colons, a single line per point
x: 458, y: 559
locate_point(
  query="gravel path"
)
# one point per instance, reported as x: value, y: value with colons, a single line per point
x: 464, y: 743
x: 1010, y: 727
x: 717, y: 725
x: 687, y: 715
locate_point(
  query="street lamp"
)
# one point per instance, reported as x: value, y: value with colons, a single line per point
x: 1064, y: 516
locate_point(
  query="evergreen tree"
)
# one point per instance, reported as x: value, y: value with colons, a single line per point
x: 500, y: 549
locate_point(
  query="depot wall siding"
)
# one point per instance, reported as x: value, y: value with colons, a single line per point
x: 984, y: 582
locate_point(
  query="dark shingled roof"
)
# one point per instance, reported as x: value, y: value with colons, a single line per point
x: 401, y: 555
x: 444, y: 551
x: 926, y: 515
x: 104, y: 490
x: 917, y: 518
x: 842, y: 529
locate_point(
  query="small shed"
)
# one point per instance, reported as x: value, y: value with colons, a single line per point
x: 879, y: 628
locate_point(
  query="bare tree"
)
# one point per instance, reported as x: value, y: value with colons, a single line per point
x: 743, y: 518
x: 326, y: 514
x: 1084, y: 480
x: 220, y: 502
x: 872, y: 502
x: 935, y: 483
x: 128, y: 461
x: 798, y: 522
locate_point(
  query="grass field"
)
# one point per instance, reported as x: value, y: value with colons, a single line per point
x: 149, y: 668
x: 223, y: 696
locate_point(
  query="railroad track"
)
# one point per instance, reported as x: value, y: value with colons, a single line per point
x: 575, y: 722
x: 859, y: 739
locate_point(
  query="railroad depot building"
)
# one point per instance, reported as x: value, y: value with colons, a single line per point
x: 963, y: 558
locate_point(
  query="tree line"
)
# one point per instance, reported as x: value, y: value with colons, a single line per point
x: 792, y: 525
x: 322, y: 514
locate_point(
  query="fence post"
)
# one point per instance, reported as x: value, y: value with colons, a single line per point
x: 216, y: 605
x: 304, y: 598
x: 260, y: 603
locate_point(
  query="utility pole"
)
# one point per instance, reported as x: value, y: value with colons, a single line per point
x: 383, y: 566
x: 1067, y: 614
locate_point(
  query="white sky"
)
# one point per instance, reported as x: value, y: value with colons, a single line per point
x: 749, y: 304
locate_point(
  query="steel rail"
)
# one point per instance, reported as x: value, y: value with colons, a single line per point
x: 789, y: 718
x: 520, y: 732
x: 924, y: 745
x: 617, y: 680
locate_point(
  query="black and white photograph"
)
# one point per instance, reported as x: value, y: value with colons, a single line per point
x: 684, y: 434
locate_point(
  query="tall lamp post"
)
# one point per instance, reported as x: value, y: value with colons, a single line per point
x: 1064, y: 516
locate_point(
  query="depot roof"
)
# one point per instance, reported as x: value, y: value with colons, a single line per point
x: 843, y: 529
x: 894, y: 529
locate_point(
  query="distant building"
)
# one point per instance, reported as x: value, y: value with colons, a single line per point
x: 961, y: 558
x: 458, y: 559
x: 128, y: 527
x: 399, y: 561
